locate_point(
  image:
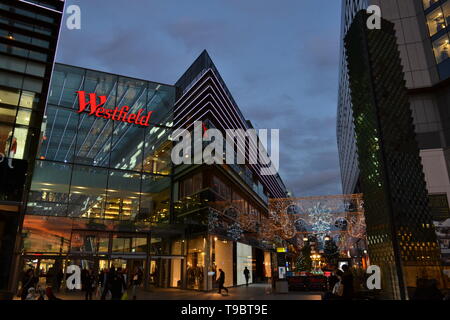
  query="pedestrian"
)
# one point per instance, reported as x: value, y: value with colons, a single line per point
x: 31, y: 294
x: 107, y: 280
x: 28, y: 281
x: 221, y: 281
x: 89, y: 284
x: 347, y: 282
x: 117, y: 285
x: 136, y: 281
x: 246, y: 275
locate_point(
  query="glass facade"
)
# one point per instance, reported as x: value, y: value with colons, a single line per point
x: 28, y: 39
x: 26, y: 51
x: 93, y: 167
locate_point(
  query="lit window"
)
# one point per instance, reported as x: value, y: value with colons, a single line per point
x: 441, y: 48
x: 435, y: 21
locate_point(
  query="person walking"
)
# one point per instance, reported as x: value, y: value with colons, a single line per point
x: 89, y: 284
x: 221, y: 281
x: 246, y: 275
x: 347, y: 282
x: 117, y: 285
x: 136, y: 281
x: 28, y: 281
x: 106, y: 282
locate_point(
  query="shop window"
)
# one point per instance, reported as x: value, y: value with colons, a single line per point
x: 195, y: 263
x: 435, y: 21
x: 28, y: 99
x: 441, y: 48
x: 23, y: 117
x: 9, y: 96
x: 223, y: 259
x: 7, y: 141
x: 18, y: 142
x: 243, y: 259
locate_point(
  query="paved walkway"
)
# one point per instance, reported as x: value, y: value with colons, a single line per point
x: 252, y: 292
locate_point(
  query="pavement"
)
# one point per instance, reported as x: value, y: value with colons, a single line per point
x: 252, y: 292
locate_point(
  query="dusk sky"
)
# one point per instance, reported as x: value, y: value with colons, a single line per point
x: 278, y: 58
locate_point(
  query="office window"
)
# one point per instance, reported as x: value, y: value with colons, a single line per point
x: 441, y: 48
x: 428, y: 3
x: 435, y: 21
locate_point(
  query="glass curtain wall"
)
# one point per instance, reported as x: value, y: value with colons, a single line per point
x: 91, y: 167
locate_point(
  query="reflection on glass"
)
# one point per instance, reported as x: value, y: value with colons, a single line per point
x: 59, y: 134
x: 123, y: 195
x: 157, y: 151
x: 121, y: 244
x: 46, y: 234
x: 87, y: 192
x: 155, y: 199
x: 49, y: 192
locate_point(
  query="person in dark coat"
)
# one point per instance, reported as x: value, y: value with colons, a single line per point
x: 246, y: 275
x: 221, y: 281
x: 106, y: 282
x: 29, y: 280
x: 89, y: 284
x: 347, y: 281
x: 117, y: 285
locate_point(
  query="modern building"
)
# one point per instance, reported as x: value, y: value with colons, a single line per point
x: 105, y: 192
x: 29, y: 33
x: 422, y: 40
x: 400, y: 233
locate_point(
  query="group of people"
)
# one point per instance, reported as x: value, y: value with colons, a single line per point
x: 111, y: 283
x: 114, y: 282
x: 32, y: 290
x: 341, y: 284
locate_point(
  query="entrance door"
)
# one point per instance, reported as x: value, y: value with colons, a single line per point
x: 166, y: 272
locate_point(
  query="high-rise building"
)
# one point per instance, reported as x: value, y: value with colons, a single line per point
x: 29, y: 32
x: 400, y: 233
x: 422, y: 39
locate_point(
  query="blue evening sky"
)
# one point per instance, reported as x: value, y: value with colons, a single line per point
x: 278, y: 58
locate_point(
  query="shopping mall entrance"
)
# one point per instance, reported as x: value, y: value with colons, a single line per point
x: 159, y: 255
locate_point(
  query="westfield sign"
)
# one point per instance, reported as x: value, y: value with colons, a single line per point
x: 116, y: 114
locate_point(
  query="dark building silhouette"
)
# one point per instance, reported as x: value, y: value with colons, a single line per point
x: 400, y: 231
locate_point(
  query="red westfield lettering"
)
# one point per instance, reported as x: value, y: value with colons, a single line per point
x: 116, y: 114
